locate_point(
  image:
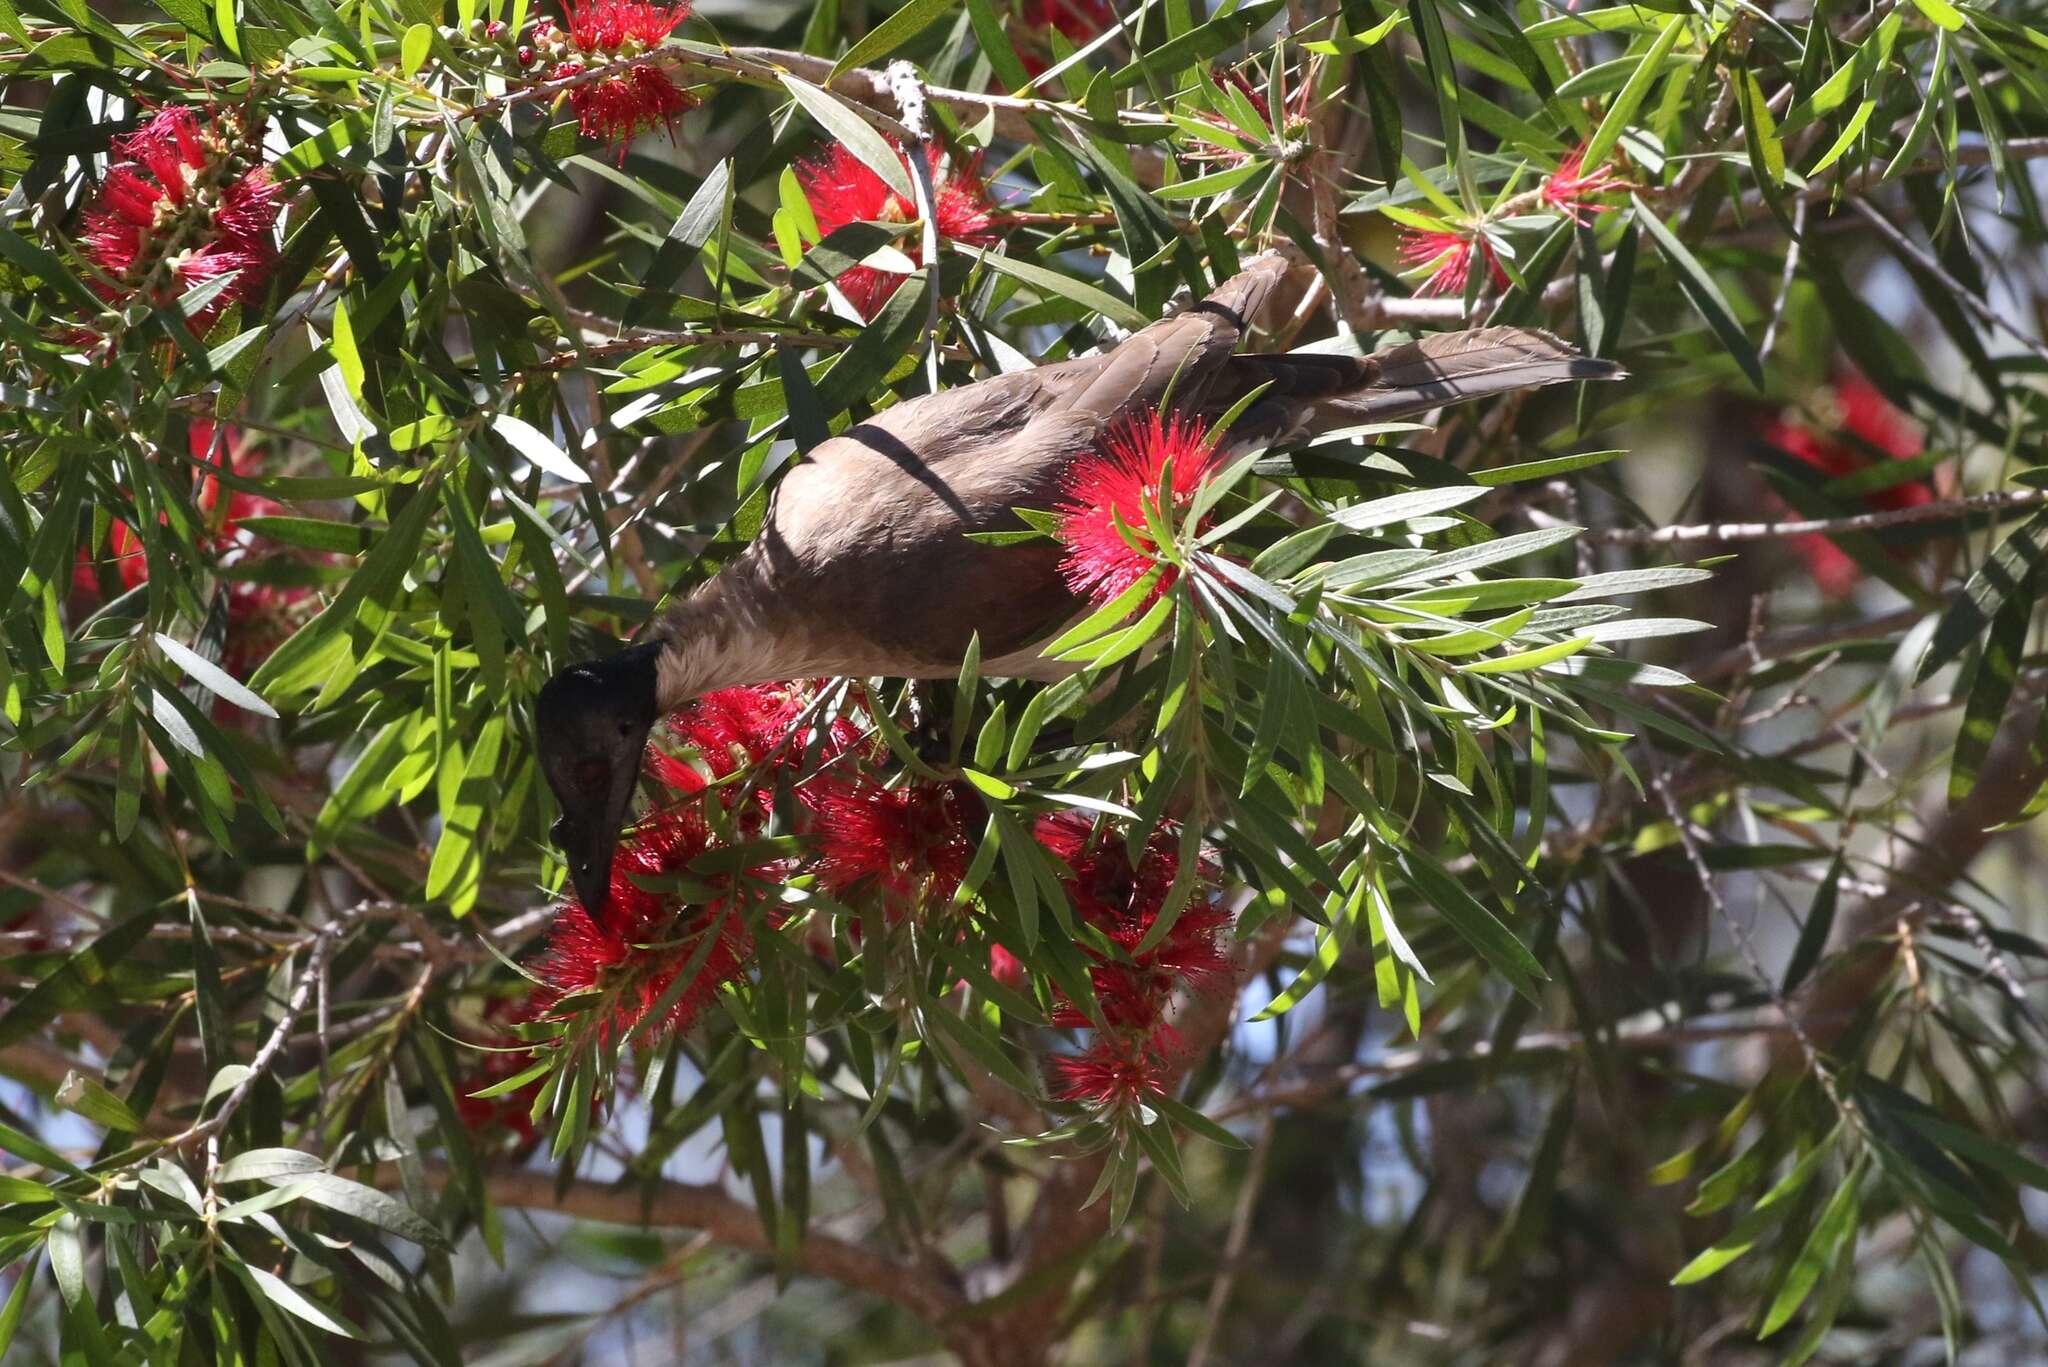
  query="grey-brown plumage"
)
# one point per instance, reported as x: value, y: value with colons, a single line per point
x: 863, y: 564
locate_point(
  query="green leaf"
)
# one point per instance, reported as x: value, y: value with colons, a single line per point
x: 1820, y: 923
x: 995, y: 44
x: 1851, y: 76
x: 837, y: 118
x: 457, y: 866
x: 1054, y: 282
x: 263, y: 1165
x: 892, y: 33
x: 412, y: 52
x: 1175, y: 55
x: 1837, y: 1223
x: 1194, y: 1121
x: 1528, y: 659
x: 1941, y: 14
x: 46, y: 268
x: 280, y: 1293
x: 1477, y: 926
x: 1616, y: 120
x: 2008, y: 571
x: 212, y: 677
x: 87, y: 1097
x: 1760, y: 134
x: 534, y: 444
x: 309, y: 658
x: 1699, y: 288
x: 17, y: 1304
x: 367, y: 1204
x: 1385, y: 512
x: 686, y: 238
x: 1548, y: 468
x: 329, y: 143
x: 1998, y: 666
x: 76, y: 983
x: 317, y: 534
x: 1772, y: 1207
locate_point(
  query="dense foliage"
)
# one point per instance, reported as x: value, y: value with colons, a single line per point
x: 1486, y: 896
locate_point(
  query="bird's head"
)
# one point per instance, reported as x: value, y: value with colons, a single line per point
x: 591, y: 721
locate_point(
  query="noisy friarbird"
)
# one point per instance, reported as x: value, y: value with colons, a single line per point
x: 863, y: 564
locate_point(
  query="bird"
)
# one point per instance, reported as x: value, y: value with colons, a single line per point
x: 864, y: 564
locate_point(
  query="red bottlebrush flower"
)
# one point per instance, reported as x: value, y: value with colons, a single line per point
x: 1571, y: 191
x: 502, y: 1057
x: 1078, y: 20
x: 215, y: 450
x: 1124, y: 902
x: 1006, y: 968
x: 174, y: 213
x: 910, y: 842
x: 843, y: 189
x: 727, y: 731
x: 1115, y: 1071
x: 1448, y: 257
x: 620, y: 106
x: 261, y: 617
x: 734, y: 729
x: 636, y: 952
x: 1870, y: 423
x: 1114, y: 484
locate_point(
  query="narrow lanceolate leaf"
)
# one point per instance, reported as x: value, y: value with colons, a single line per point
x: 1397, y: 508
x: 212, y: 677
x: 1057, y: 283
x: 686, y: 237
x: 837, y: 118
x: 1704, y: 294
x: 534, y: 444
x: 79, y: 982
x: 86, y: 1097
x: 1770, y: 1208
x: 1998, y: 667
x: 1820, y: 922
x: 283, y: 1295
x: 369, y: 1205
x: 1477, y: 926
x: 1837, y: 1223
x: 1528, y: 659
x: 892, y: 33
x: 1630, y: 98
x: 2009, y: 570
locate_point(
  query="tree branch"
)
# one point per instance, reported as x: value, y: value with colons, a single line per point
x: 1951, y: 837
x: 1939, y: 510
x: 728, y: 1221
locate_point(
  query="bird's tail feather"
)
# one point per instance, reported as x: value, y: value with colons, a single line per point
x: 1456, y: 367
x: 1308, y: 393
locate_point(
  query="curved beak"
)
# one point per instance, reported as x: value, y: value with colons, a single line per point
x: 589, y: 836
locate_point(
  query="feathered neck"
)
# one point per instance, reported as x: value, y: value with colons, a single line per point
x: 716, y: 638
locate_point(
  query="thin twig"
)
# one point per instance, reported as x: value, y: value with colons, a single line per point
x: 322, y: 942
x: 1987, y: 315
x: 1234, y: 1242
x: 1937, y: 511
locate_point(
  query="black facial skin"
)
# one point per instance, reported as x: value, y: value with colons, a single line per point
x: 591, y: 721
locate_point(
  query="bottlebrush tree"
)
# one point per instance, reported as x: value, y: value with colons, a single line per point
x: 1498, y: 888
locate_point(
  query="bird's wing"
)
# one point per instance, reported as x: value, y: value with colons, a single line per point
x: 864, y: 548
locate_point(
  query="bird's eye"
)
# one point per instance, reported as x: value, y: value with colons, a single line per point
x: 625, y: 729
